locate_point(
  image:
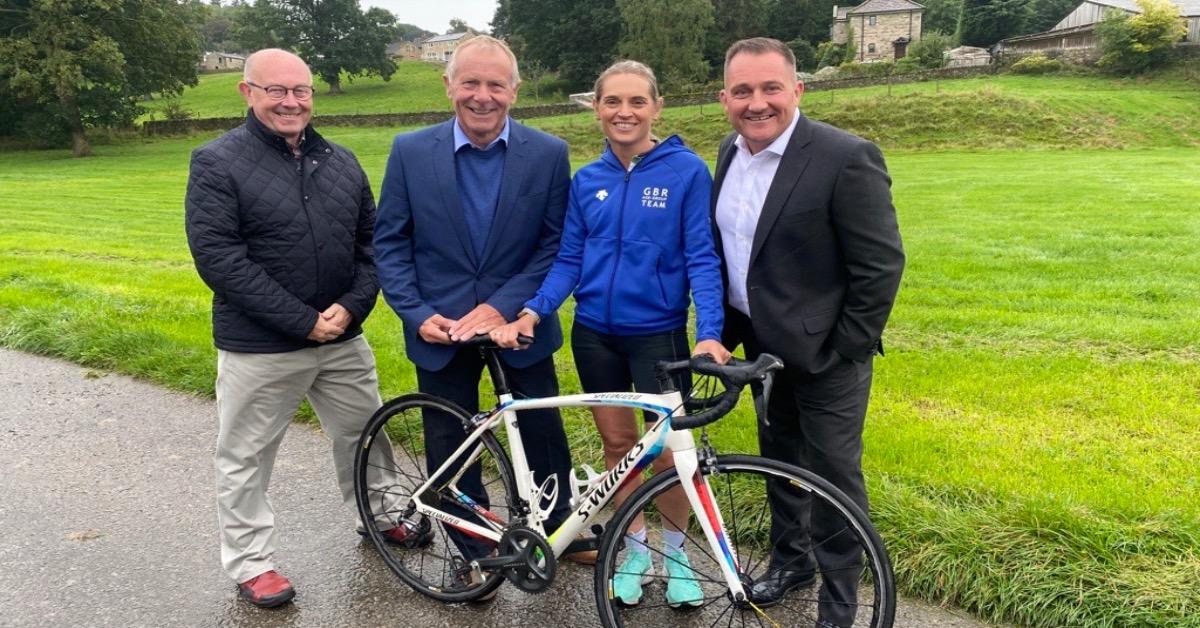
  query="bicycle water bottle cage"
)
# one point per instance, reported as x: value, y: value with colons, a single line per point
x: 546, y: 497
x: 578, y: 486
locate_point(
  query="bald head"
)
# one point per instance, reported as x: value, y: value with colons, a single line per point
x: 269, y: 60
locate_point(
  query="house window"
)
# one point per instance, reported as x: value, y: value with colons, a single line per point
x: 871, y: 48
x: 871, y: 20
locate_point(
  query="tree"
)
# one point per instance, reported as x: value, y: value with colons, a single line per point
x: 985, y: 22
x: 86, y: 63
x: 334, y: 37
x: 1044, y: 14
x: 806, y: 55
x: 733, y: 20
x: 1134, y: 44
x: 800, y: 19
x: 942, y: 15
x: 457, y: 26
x: 575, y: 38
x: 668, y: 36
x: 409, y: 32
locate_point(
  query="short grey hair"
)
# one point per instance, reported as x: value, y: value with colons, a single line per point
x: 760, y: 46
x: 636, y: 68
x: 259, y: 55
x: 490, y: 43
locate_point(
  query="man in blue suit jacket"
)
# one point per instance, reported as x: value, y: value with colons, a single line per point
x: 469, y: 221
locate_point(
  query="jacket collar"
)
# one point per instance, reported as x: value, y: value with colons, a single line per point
x: 310, y: 139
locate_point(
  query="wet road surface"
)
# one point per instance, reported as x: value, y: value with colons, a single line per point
x: 107, y: 518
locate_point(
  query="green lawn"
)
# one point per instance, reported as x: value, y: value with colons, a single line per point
x: 416, y: 86
x: 1034, y: 431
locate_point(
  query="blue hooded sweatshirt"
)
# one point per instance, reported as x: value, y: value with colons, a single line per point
x: 635, y: 243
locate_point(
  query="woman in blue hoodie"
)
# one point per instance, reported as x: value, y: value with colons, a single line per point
x: 636, y: 244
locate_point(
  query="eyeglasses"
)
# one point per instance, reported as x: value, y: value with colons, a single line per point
x: 279, y: 92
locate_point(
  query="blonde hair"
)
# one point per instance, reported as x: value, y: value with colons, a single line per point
x: 484, y: 41
x: 626, y: 66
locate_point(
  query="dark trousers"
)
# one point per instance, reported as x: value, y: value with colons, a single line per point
x: 541, y: 432
x: 816, y: 424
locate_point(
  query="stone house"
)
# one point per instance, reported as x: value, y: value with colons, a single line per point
x: 1074, y: 37
x: 403, y: 50
x: 882, y: 29
x: 439, y: 47
x: 220, y: 62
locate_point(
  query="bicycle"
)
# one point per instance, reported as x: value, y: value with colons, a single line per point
x: 728, y: 536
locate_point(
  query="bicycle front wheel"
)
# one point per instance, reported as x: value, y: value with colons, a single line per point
x: 855, y: 590
x: 431, y: 557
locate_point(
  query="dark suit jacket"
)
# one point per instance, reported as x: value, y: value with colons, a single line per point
x: 826, y: 258
x: 423, y: 250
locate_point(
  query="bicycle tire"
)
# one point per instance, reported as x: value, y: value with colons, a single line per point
x: 738, y: 489
x: 391, y: 453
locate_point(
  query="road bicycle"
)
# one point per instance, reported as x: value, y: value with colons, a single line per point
x: 460, y: 543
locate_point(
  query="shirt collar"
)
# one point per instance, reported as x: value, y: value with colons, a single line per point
x: 460, y: 138
x: 779, y: 145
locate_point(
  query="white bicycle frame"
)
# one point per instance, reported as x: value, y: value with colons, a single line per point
x: 600, y: 489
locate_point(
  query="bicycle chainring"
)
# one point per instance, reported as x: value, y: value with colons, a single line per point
x: 531, y: 565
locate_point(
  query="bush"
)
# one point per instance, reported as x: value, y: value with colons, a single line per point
x: 173, y: 109
x: 928, y: 52
x: 1037, y: 63
x: 1133, y: 44
x: 907, y: 65
x: 830, y: 54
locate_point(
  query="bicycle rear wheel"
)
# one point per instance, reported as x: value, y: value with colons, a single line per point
x: 738, y: 492
x: 431, y: 557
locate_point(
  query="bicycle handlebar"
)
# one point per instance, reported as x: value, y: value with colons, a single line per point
x: 734, y: 376
x: 484, y: 341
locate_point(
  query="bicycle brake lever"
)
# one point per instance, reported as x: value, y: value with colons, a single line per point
x: 761, y: 390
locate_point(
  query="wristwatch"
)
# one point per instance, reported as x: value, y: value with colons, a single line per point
x: 529, y: 312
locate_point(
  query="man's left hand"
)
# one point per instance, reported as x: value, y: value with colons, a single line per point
x: 338, y: 316
x: 481, y: 320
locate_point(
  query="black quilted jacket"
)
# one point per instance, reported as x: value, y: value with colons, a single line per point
x: 279, y: 239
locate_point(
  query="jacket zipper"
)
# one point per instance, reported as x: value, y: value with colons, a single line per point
x: 620, y: 240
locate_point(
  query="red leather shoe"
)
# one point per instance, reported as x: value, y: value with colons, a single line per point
x: 267, y: 590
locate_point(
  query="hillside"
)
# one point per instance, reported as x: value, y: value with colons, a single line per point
x: 1004, y: 112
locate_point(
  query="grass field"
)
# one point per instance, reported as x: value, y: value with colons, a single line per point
x: 416, y: 86
x: 1034, y: 431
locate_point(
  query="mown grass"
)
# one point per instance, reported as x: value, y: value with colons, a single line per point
x: 415, y: 86
x: 1034, y: 429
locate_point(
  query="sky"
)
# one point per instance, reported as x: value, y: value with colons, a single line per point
x: 434, y: 15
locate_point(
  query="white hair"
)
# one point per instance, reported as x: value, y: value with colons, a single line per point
x: 491, y: 43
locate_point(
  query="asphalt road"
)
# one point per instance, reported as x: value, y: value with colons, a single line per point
x: 107, y: 518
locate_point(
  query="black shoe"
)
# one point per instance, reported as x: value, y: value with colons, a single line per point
x: 777, y: 583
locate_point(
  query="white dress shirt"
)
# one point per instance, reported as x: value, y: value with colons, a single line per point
x: 739, y: 205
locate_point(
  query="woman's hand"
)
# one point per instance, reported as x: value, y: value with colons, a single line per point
x: 713, y: 348
x: 506, y: 335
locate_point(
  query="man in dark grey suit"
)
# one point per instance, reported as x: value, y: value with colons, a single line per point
x: 812, y: 255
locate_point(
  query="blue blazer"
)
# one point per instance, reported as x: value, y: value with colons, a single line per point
x: 423, y: 250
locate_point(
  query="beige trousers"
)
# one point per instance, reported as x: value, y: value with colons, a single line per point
x: 257, y: 396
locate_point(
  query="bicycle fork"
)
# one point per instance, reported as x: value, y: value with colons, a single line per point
x: 708, y: 514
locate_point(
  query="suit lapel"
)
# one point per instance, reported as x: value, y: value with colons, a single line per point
x: 447, y: 185
x: 791, y: 168
x: 516, y: 162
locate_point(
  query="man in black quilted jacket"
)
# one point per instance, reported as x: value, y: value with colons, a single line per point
x: 280, y: 222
